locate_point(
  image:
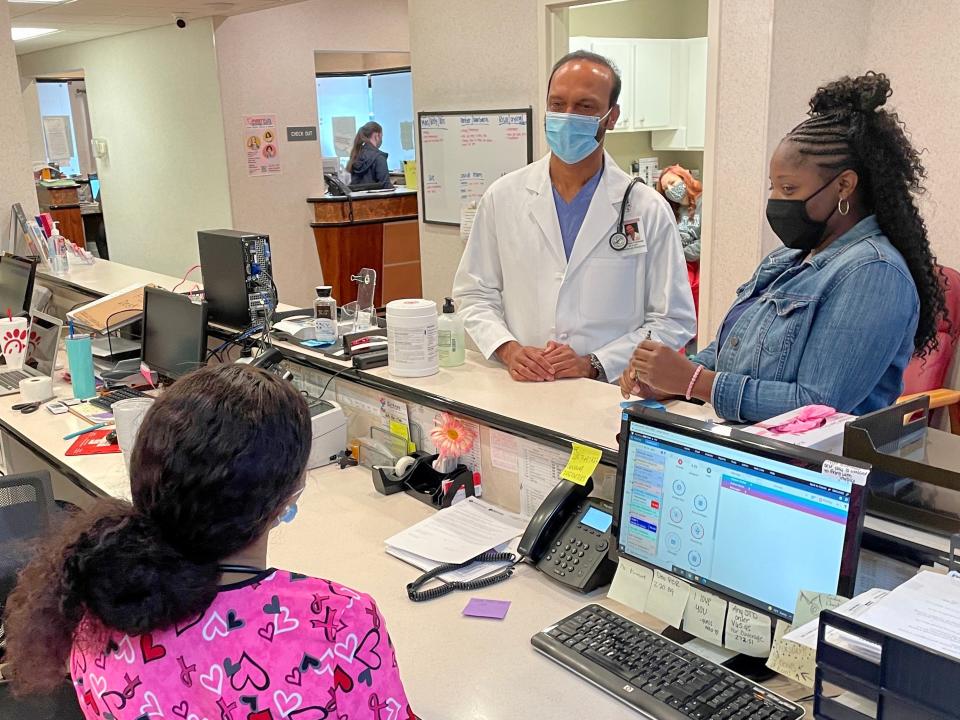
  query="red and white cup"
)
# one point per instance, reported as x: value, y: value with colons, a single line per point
x: 14, y: 341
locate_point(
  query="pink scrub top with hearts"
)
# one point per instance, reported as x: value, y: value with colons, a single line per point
x: 279, y: 646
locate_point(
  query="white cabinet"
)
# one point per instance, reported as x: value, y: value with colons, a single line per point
x: 621, y: 53
x: 653, y: 72
x: 652, y: 83
x: 690, y: 104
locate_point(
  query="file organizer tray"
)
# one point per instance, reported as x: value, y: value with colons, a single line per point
x: 916, y: 469
x: 903, y: 680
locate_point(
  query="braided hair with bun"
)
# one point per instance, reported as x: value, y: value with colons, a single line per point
x: 219, y: 456
x: 848, y: 129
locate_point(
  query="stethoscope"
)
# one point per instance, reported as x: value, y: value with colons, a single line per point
x: 618, y: 241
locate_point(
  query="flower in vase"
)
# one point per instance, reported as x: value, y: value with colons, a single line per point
x: 452, y: 437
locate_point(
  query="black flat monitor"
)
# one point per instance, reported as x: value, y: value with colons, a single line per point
x: 17, y: 276
x: 752, y: 520
x: 174, y: 333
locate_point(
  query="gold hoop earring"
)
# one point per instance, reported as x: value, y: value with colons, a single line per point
x: 843, y: 207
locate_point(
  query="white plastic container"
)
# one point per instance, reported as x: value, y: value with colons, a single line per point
x: 412, y: 338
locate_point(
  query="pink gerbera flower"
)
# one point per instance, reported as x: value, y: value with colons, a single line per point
x: 452, y: 437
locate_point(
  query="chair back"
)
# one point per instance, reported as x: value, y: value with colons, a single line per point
x: 930, y: 373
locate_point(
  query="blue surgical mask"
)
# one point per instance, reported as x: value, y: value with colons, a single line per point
x: 676, y: 192
x: 573, y: 137
x: 290, y: 513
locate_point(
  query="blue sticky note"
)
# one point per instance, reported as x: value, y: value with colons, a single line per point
x: 493, y: 609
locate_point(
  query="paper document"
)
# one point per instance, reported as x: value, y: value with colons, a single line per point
x: 924, y: 610
x: 503, y: 450
x: 539, y: 468
x: 466, y: 574
x: 460, y: 532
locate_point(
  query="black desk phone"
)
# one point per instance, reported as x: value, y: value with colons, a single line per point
x: 568, y: 539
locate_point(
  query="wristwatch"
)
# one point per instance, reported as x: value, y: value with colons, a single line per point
x: 598, y: 366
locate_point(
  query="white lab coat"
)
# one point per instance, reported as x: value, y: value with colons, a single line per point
x: 515, y: 283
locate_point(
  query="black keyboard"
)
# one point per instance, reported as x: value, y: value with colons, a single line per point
x: 106, y: 401
x: 11, y: 380
x: 652, y: 674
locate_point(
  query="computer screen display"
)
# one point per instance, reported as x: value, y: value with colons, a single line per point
x: 174, y: 333
x: 44, y: 342
x: 16, y: 284
x: 749, y: 525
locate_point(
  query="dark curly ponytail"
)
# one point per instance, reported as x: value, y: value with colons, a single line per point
x: 847, y: 129
x: 220, y: 455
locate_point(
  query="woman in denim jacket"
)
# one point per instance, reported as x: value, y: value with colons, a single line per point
x: 833, y: 317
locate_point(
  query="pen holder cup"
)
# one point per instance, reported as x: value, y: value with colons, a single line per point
x: 426, y: 484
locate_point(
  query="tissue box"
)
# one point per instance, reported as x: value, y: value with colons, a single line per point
x: 826, y: 438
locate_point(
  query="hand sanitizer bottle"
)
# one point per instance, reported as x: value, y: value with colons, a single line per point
x: 451, y: 336
x: 58, y: 251
x: 325, y: 316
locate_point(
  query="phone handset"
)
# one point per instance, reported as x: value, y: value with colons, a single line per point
x: 551, y: 516
x: 335, y: 186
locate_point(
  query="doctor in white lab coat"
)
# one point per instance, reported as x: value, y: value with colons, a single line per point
x: 556, y: 303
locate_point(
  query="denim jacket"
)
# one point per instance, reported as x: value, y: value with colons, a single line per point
x: 837, y: 330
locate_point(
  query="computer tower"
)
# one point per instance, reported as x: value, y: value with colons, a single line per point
x: 237, y: 276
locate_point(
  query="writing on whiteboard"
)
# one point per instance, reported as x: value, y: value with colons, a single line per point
x: 474, y: 120
x: 520, y: 120
x: 433, y: 185
x: 472, y: 185
x: 438, y: 122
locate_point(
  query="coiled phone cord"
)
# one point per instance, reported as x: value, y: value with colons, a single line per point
x: 417, y: 595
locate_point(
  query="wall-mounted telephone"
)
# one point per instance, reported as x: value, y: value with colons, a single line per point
x: 567, y: 537
x: 335, y: 186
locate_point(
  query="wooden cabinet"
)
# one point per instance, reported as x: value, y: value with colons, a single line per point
x: 63, y: 204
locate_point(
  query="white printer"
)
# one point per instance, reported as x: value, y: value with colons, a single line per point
x: 329, y: 432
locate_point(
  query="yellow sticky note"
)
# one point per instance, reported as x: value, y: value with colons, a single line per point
x: 398, y: 428
x: 583, y: 461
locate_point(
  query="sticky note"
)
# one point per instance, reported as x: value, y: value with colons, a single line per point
x: 398, y: 428
x: 668, y: 598
x: 583, y: 461
x: 747, y: 631
x: 704, y: 616
x: 791, y: 659
x: 493, y: 609
x: 842, y: 471
x: 631, y: 584
x: 810, y: 604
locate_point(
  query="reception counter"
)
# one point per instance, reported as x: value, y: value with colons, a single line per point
x: 372, y: 229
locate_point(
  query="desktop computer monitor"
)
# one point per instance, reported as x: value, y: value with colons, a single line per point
x: 174, y: 333
x: 16, y: 284
x: 752, y: 520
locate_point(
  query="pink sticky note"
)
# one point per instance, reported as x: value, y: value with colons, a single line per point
x: 494, y: 609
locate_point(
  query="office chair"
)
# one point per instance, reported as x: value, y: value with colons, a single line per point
x: 928, y: 376
x: 26, y: 510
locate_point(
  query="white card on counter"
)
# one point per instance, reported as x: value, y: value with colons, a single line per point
x: 842, y: 471
x: 668, y: 598
x: 705, y: 615
x: 747, y: 631
x: 631, y: 584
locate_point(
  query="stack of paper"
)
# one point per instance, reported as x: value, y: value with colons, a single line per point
x: 457, y: 535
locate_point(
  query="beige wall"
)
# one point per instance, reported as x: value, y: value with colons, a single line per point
x: 443, y: 34
x: 326, y: 62
x: 641, y: 18
x: 912, y: 43
x: 16, y: 173
x: 276, y: 74
x: 153, y: 95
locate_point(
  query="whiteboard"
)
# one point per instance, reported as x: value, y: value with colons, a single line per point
x: 462, y: 153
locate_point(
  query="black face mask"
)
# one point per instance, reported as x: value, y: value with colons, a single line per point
x: 793, y: 225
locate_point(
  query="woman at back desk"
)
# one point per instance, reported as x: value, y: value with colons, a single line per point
x: 368, y: 163
x: 833, y: 317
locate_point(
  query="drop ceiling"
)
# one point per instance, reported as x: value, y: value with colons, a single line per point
x: 82, y: 20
